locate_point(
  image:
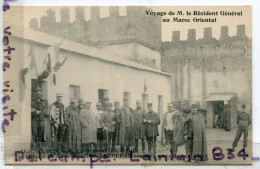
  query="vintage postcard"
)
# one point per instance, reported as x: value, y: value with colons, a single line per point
x: 127, y: 85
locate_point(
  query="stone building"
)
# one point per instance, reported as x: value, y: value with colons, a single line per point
x: 123, y: 66
x: 210, y: 70
x: 136, y: 34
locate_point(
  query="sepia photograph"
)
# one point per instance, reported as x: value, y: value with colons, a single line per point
x: 134, y: 85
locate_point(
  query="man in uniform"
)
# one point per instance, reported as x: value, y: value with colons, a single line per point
x: 80, y: 104
x: 243, y: 121
x: 199, y: 144
x: 74, y: 127
x: 89, y: 128
x: 116, y: 121
x: 100, y: 137
x: 139, y: 127
x: 167, y: 125
x: 126, y: 126
x: 106, y: 122
x: 39, y: 109
x: 151, y: 122
x: 58, y: 125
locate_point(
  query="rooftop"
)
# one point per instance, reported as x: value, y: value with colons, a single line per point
x: 88, y: 51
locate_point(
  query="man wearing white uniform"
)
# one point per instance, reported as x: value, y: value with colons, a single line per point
x: 167, y: 125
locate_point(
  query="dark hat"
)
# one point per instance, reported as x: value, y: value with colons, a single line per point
x: 194, y: 106
x: 243, y: 106
x: 109, y: 104
x: 116, y: 103
x: 80, y: 100
x: 59, y: 95
x: 73, y: 100
x: 88, y: 102
x: 149, y: 104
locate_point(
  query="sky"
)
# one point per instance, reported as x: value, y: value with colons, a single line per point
x: 167, y: 28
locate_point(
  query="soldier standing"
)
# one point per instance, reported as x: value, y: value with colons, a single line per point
x: 167, y: 125
x: 139, y: 127
x: 106, y: 122
x: 243, y: 121
x: 58, y: 125
x: 39, y: 109
x: 74, y: 127
x: 151, y: 122
x: 100, y: 138
x: 89, y: 128
x: 116, y: 121
x: 80, y: 104
x: 126, y: 126
x: 188, y: 136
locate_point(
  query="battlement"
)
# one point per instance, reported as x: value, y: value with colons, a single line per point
x: 224, y: 40
x: 230, y: 51
x: 135, y: 25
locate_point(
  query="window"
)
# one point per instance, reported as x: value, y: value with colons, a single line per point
x: 74, y: 92
x: 103, y: 96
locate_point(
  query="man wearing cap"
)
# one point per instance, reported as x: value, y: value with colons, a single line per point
x: 243, y: 121
x: 173, y: 127
x: 100, y: 137
x: 167, y: 125
x: 151, y: 122
x: 58, y: 123
x: 139, y: 127
x: 126, y: 126
x: 39, y: 109
x: 116, y: 121
x: 74, y: 127
x: 199, y: 144
x: 80, y: 104
x: 89, y: 128
x: 106, y: 122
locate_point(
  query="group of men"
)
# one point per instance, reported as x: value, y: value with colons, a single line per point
x: 185, y: 126
x: 78, y: 129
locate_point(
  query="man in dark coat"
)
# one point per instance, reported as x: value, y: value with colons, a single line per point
x: 199, y: 135
x: 106, y: 122
x: 173, y: 127
x: 243, y: 121
x: 188, y: 136
x: 126, y: 126
x: 138, y: 126
x: 74, y: 127
x: 116, y: 121
x: 39, y: 109
x: 58, y: 124
x: 100, y: 132
x: 80, y: 104
x: 151, y: 122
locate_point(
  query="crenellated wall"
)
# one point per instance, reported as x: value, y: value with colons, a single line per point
x: 209, y: 65
x: 113, y: 32
x: 135, y: 25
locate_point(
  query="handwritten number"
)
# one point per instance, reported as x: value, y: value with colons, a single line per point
x: 230, y: 154
x: 217, y: 155
x: 242, y: 153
